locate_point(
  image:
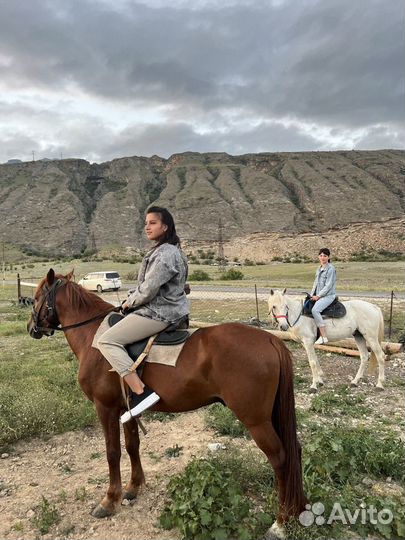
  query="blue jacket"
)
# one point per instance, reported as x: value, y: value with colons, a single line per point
x: 325, y: 281
x: 160, y: 292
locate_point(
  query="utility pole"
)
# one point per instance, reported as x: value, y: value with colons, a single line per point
x: 92, y: 244
x: 4, y: 266
x: 221, y: 257
x: 33, y: 155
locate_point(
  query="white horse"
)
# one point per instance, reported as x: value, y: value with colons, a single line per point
x: 363, y: 321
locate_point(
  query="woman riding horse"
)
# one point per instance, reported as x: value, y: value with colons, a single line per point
x: 323, y: 292
x: 159, y: 301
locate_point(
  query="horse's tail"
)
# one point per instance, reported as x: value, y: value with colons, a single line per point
x: 373, y: 364
x: 285, y: 424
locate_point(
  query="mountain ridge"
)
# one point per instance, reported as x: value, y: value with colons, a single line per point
x: 72, y: 206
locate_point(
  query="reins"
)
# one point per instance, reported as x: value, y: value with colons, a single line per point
x: 51, y: 295
x: 87, y: 321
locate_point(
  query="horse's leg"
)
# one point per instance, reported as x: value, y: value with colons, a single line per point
x: 109, y: 418
x: 361, y: 345
x: 131, y: 432
x: 316, y: 369
x: 379, y: 353
x: 268, y: 441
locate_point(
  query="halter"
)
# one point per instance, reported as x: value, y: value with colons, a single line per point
x: 49, y: 300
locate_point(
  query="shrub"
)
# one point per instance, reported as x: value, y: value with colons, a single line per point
x: 199, y: 275
x: 206, y: 502
x: 232, y: 274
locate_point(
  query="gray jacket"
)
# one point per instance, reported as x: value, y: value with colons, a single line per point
x: 161, y: 279
x: 325, y: 281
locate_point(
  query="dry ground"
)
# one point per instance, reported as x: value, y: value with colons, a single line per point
x: 70, y: 470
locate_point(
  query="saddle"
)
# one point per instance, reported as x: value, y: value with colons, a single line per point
x: 173, y: 335
x: 336, y: 310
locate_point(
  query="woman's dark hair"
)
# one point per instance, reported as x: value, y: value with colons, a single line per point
x: 325, y: 251
x: 170, y: 236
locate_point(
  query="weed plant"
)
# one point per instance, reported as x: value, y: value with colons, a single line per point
x: 223, y: 421
x: 340, y: 401
x: 46, y: 515
x: 335, y: 462
x: 206, y: 502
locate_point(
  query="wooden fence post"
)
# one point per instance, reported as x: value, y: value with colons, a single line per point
x: 18, y: 288
x: 391, y: 307
x: 257, y: 306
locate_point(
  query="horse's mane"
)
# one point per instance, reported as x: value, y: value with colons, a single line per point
x: 80, y: 298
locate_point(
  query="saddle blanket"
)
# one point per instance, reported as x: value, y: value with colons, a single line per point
x: 159, y: 354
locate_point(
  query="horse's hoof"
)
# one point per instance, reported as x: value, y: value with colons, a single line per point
x: 129, y: 496
x: 313, y: 390
x: 354, y: 384
x: 379, y: 388
x: 321, y: 383
x: 276, y: 532
x: 100, y: 512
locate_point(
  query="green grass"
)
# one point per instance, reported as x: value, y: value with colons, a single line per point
x: 227, y: 310
x: 39, y: 392
x: 352, y: 276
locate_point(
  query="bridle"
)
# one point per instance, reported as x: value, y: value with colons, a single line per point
x: 286, y: 316
x: 48, y: 301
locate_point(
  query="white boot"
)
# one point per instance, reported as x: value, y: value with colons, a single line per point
x: 321, y: 341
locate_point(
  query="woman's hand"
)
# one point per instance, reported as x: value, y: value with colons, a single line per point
x: 315, y: 298
x: 125, y: 306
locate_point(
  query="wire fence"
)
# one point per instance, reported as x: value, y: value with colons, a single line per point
x: 216, y: 304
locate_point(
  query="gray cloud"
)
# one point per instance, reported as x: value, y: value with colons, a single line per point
x: 336, y: 64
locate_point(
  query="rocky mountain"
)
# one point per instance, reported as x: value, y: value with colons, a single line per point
x: 69, y: 206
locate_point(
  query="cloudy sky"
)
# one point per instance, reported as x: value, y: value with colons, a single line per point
x: 100, y: 79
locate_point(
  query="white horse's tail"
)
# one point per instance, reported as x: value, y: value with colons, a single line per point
x: 373, y: 365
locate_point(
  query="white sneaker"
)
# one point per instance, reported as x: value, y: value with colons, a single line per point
x: 321, y: 341
x: 139, y: 403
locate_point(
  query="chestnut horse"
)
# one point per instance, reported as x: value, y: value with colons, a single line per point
x: 247, y: 369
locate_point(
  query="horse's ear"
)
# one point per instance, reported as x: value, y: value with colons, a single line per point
x: 284, y: 291
x: 271, y: 291
x: 71, y: 275
x: 50, y: 276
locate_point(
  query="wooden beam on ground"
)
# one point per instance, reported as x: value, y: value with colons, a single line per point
x: 338, y: 350
x: 349, y: 343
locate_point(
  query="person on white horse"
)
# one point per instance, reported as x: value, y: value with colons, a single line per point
x: 323, y: 292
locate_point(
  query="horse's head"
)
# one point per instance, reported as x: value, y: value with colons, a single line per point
x: 44, y: 318
x: 278, y: 308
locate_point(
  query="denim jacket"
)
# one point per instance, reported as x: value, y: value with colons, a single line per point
x: 160, y: 292
x: 325, y: 281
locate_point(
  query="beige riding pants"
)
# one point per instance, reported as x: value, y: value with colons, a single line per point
x: 132, y: 328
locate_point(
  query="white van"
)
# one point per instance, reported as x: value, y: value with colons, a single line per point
x: 101, y: 281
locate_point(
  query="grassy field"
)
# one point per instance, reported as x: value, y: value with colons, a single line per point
x: 45, y: 368
x: 39, y: 394
x: 352, y: 276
